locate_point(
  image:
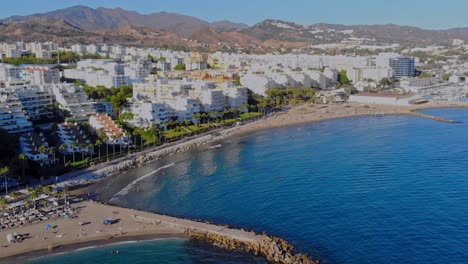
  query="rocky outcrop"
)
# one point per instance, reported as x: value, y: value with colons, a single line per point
x: 276, y: 250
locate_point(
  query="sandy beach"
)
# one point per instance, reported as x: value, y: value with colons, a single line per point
x: 70, y: 232
x: 316, y: 113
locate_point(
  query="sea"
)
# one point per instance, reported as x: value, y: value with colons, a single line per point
x: 373, y: 189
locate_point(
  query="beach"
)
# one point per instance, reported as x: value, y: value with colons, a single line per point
x: 316, y: 113
x: 71, y: 232
x: 133, y: 225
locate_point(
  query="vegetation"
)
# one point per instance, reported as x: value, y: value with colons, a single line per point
x: 446, y: 77
x: 343, y: 78
x: 180, y: 67
x: 280, y: 97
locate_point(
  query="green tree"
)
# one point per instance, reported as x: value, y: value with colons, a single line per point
x: 62, y: 149
x: 91, y: 150
x: 3, y: 203
x: 52, y: 151
x: 180, y: 67
x: 385, y: 82
x: 4, y: 172
x: 43, y: 150
x: 33, y: 197
x: 23, y: 159
x: 343, y: 77
x: 99, y: 143
x: 73, y: 145
x: 446, y: 77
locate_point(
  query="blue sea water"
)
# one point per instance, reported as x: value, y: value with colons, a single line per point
x: 158, y: 251
x: 391, y: 189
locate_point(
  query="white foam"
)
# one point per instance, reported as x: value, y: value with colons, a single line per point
x: 127, y: 188
x: 215, y: 146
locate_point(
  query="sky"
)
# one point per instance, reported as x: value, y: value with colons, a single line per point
x: 430, y: 14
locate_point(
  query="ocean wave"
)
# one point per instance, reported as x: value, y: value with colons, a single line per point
x: 127, y: 188
x: 215, y: 146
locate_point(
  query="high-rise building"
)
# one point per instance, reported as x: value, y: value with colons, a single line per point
x: 402, y: 67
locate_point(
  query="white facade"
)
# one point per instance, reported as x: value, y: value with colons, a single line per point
x: 369, y: 98
x: 147, y: 113
x: 12, y: 116
x: 73, y: 100
x: 39, y: 75
x: 107, y: 73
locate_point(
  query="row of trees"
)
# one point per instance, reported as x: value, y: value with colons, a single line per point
x: 280, y: 97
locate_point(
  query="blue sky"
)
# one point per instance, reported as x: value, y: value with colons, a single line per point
x: 434, y: 14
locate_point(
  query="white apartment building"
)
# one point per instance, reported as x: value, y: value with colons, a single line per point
x: 184, y: 108
x: 39, y: 74
x: 138, y: 71
x: 30, y: 144
x: 387, y: 99
x: 73, y: 137
x: 416, y: 84
x: 73, y: 101
x: 235, y: 97
x: 148, y: 113
x: 12, y: 115
x: 107, y: 73
x: 359, y: 74
x: 10, y: 75
x: 37, y: 101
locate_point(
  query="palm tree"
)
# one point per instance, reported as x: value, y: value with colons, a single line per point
x: 52, y: 151
x: 3, y: 203
x: 47, y: 190
x: 99, y: 143
x: 91, y: 150
x: 22, y: 157
x: 113, y: 149
x: 73, y: 145
x: 33, y: 196
x: 42, y: 149
x: 62, y: 149
x: 28, y: 203
x: 14, y: 195
x: 4, y: 172
x: 82, y: 146
x: 38, y: 190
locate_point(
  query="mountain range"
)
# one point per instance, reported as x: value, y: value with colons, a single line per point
x: 88, y: 25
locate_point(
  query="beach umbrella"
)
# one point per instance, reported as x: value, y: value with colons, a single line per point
x: 108, y: 221
x: 48, y: 226
x: 10, y: 238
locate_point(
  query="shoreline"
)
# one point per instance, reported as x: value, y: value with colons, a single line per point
x: 134, y: 225
x: 84, y: 245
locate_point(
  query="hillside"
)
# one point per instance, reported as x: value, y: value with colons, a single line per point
x: 87, y: 25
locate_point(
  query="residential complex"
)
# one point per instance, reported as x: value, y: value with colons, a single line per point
x: 169, y: 85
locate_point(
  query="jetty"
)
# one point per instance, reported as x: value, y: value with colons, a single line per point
x: 275, y: 249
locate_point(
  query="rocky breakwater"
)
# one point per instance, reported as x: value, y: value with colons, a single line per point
x: 276, y: 250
